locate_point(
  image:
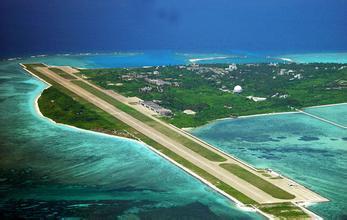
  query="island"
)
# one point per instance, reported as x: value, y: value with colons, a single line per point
x: 198, y: 94
x: 152, y: 104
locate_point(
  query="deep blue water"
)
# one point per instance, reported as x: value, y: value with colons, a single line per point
x: 51, y: 27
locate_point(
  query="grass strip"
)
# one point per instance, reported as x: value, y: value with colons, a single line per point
x: 62, y: 73
x: 202, y: 173
x: 156, y: 125
x: 257, y: 181
x: 285, y: 210
x: 75, y: 111
x: 281, y: 210
x: 207, y: 176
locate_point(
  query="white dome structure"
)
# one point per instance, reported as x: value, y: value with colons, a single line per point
x: 237, y: 89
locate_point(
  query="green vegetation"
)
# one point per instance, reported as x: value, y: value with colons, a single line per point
x: 257, y: 181
x: 156, y: 125
x: 284, y: 211
x: 75, y: 111
x: 85, y: 115
x: 133, y: 112
x: 63, y: 106
x: 62, y: 73
x: 207, y: 89
x: 266, y: 174
x: 78, y: 105
x: 207, y: 176
x: 276, y: 178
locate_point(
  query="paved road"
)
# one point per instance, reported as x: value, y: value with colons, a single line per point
x: 211, y: 167
x: 321, y: 119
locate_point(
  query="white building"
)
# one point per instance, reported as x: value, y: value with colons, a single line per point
x: 189, y: 112
x: 237, y: 89
x: 156, y: 108
x: 231, y: 67
x: 256, y: 99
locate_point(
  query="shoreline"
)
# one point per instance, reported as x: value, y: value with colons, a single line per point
x: 263, y: 114
x: 37, y: 110
x: 233, y: 200
x: 240, y: 117
x: 194, y: 60
x: 274, y: 113
x: 327, y: 105
x: 236, y: 202
x: 336, y: 57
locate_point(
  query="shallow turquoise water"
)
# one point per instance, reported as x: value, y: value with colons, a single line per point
x: 312, y: 152
x: 317, y: 57
x: 148, y: 58
x: 53, y: 170
x: 335, y: 114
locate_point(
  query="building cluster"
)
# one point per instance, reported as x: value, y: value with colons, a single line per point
x: 297, y: 76
x: 217, y: 74
x: 206, y: 69
x: 289, y: 72
x: 156, y: 108
x: 139, y: 75
x: 231, y: 67
x: 157, y: 82
x: 283, y: 72
x: 146, y: 89
x: 132, y: 76
x: 217, y: 70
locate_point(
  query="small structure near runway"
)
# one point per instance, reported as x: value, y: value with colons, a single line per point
x: 156, y: 108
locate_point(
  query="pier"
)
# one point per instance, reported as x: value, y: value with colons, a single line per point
x: 322, y: 119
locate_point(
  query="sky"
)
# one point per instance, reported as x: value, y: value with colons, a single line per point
x: 52, y: 26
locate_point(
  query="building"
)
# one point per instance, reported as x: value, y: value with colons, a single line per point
x: 157, y: 82
x: 145, y: 89
x: 256, y: 99
x: 231, y: 67
x: 156, y: 108
x: 189, y: 112
x: 237, y: 89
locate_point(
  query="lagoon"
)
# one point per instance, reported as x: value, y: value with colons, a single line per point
x: 312, y: 152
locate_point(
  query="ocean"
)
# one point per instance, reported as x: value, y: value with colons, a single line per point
x: 55, y: 171
x: 51, y: 27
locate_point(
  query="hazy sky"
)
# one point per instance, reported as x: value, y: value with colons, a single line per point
x: 80, y: 25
